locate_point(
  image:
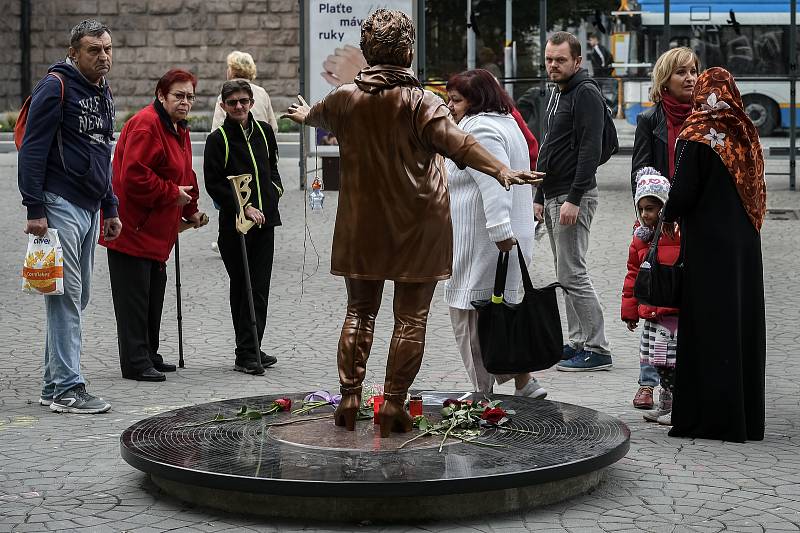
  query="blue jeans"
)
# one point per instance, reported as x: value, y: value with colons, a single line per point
x: 648, y: 375
x: 78, y: 230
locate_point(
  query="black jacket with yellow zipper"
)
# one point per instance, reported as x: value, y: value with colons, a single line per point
x: 253, y: 151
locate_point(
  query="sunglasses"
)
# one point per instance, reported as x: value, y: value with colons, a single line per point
x: 244, y: 102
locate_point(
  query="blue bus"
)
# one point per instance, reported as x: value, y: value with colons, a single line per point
x: 750, y: 39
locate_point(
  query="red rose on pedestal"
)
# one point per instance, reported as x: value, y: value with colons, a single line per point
x: 493, y: 416
x: 284, y: 404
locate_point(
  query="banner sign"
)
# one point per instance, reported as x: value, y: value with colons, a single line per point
x: 332, y: 50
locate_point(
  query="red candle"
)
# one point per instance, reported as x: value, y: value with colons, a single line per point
x: 377, y: 401
x: 415, y: 406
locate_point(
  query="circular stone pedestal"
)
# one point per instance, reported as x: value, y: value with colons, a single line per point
x: 315, y: 470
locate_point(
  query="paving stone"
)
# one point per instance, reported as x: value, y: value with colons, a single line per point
x: 663, y: 484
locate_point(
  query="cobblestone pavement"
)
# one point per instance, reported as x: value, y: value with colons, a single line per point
x: 64, y: 472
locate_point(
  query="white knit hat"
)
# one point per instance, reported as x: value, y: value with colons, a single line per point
x: 650, y: 182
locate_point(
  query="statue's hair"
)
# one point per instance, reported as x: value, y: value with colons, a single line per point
x: 387, y: 38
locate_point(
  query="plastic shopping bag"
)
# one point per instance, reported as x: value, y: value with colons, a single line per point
x: 43, y: 271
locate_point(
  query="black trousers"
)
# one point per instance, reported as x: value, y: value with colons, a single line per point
x: 260, y: 244
x: 137, y: 288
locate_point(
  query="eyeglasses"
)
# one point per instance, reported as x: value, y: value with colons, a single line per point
x: 244, y: 102
x: 183, y: 96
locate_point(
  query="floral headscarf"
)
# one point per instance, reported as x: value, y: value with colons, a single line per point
x: 718, y: 120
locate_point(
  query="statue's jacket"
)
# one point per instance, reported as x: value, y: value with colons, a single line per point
x: 393, y: 216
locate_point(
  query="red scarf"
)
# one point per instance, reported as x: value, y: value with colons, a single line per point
x: 677, y: 113
x: 719, y: 121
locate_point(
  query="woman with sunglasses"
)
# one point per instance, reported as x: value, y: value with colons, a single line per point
x: 243, y: 145
x: 157, y: 191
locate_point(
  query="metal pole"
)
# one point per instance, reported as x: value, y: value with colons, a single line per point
x: 249, y: 288
x: 792, y: 93
x: 422, y: 53
x: 508, y: 56
x: 178, y: 293
x: 667, y: 29
x: 470, y: 38
x: 542, y: 68
x: 302, y: 137
x: 25, y: 48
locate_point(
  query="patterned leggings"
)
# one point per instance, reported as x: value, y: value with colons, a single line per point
x: 667, y: 377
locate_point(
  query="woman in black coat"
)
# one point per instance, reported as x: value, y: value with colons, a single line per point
x: 718, y: 196
x: 657, y: 128
x: 243, y: 145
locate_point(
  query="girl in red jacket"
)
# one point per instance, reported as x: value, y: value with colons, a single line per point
x: 660, y: 329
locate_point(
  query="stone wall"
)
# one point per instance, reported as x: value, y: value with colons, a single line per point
x: 10, y: 55
x: 152, y: 36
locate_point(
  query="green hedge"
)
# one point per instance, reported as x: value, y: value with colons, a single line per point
x: 196, y: 122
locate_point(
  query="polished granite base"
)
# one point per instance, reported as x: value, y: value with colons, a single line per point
x: 315, y: 470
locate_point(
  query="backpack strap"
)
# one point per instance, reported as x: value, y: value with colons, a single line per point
x: 60, y: 80
x: 59, y: 140
x: 574, y: 139
x: 263, y: 135
x: 225, y: 139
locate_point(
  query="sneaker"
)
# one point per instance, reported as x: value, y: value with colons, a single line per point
x: 643, y: 398
x: 45, y: 401
x: 77, y: 400
x: 532, y: 390
x: 268, y: 360
x: 248, y: 367
x: 655, y: 414
x: 664, y: 407
x: 568, y: 352
x: 585, y: 361
x: 215, y: 246
x: 665, y: 419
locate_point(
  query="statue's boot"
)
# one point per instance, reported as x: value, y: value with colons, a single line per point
x: 405, y: 358
x: 355, y: 342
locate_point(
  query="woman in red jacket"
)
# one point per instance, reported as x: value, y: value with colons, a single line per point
x: 157, y: 188
x: 660, y: 331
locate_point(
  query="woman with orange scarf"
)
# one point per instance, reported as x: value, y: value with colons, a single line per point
x: 719, y: 197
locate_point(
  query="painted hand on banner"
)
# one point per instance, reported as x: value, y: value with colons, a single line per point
x: 343, y: 65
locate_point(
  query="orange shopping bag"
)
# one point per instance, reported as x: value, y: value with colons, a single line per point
x: 43, y: 270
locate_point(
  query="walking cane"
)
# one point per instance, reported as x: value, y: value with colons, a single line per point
x: 178, y: 293
x: 183, y: 226
x: 241, y: 188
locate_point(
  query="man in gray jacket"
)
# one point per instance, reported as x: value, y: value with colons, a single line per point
x: 567, y: 198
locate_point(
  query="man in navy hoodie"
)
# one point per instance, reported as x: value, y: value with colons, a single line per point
x: 65, y: 179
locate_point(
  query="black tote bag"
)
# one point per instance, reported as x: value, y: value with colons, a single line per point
x: 524, y: 337
x: 657, y: 284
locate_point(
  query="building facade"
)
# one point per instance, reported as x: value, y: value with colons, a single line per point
x: 152, y: 36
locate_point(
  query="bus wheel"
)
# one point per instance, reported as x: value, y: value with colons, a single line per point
x: 762, y: 111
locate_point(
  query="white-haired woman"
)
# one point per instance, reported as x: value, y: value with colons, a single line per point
x: 674, y: 76
x: 242, y: 66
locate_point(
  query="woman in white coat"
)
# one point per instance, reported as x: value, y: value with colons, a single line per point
x: 486, y: 218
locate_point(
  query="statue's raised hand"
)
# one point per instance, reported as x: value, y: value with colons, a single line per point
x: 508, y: 177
